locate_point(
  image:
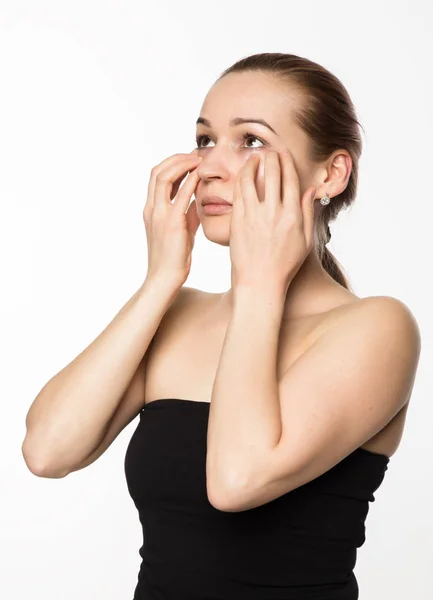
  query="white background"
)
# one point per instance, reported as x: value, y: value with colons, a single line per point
x: 93, y: 94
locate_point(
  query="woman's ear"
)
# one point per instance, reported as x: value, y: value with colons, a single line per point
x: 338, y: 169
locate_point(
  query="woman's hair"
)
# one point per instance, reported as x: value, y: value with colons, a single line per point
x: 328, y: 118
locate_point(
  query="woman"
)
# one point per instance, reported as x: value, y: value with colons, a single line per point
x: 268, y: 413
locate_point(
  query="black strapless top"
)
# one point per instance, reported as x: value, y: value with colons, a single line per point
x: 300, y: 546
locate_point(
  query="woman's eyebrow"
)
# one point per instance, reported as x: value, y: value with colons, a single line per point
x: 238, y: 121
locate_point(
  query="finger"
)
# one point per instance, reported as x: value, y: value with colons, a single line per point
x: 272, y: 180
x: 177, y: 183
x: 237, y: 203
x: 291, y: 187
x: 192, y: 218
x: 183, y: 197
x: 247, y: 184
x: 165, y: 179
x: 308, y: 202
x: 171, y: 160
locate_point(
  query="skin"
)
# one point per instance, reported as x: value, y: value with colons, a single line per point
x: 310, y: 383
x: 225, y: 152
x: 311, y: 379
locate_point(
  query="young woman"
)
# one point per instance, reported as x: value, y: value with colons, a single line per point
x: 267, y: 414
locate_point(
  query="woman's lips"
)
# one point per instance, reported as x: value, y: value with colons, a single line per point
x: 216, y: 209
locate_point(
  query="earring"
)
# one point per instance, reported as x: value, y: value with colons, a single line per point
x: 325, y: 200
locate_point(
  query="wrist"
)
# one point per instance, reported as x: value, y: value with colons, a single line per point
x: 259, y: 295
x: 161, y: 285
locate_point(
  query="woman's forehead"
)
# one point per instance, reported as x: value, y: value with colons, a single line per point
x: 250, y: 95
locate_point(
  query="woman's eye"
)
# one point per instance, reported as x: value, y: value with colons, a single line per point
x: 245, y: 137
x: 200, y: 139
x: 248, y: 136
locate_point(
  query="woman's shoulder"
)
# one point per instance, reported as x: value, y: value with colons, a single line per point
x: 345, y: 309
x: 372, y: 318
x: 379, y: 308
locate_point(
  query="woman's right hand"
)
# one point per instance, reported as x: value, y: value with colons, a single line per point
x: 170, y: 232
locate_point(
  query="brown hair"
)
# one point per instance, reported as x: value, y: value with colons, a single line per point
x: 328, y: 118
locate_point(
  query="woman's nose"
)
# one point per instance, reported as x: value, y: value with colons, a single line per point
x: 213, y: 168
x: 220, y: 163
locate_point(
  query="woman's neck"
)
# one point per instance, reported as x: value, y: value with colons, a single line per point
x: 312, y: 291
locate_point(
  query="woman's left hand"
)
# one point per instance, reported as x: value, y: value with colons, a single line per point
x: 270, y: 239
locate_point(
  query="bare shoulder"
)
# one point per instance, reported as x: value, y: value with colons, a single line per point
x: 385, y: 312
x: 188, y: 298
x: 380, y: 325
x: 182, y: 310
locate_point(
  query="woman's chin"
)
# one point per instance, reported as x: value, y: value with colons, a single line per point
x: 217, y: 230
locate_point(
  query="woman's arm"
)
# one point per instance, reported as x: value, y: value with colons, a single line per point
x: 71, y: 414
x: 265, y: 439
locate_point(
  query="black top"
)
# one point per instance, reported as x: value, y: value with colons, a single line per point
x: 300, y: 546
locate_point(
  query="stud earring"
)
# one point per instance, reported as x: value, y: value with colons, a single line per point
x: 325, y: 200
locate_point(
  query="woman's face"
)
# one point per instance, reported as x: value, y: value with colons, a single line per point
x: 226, y: 145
